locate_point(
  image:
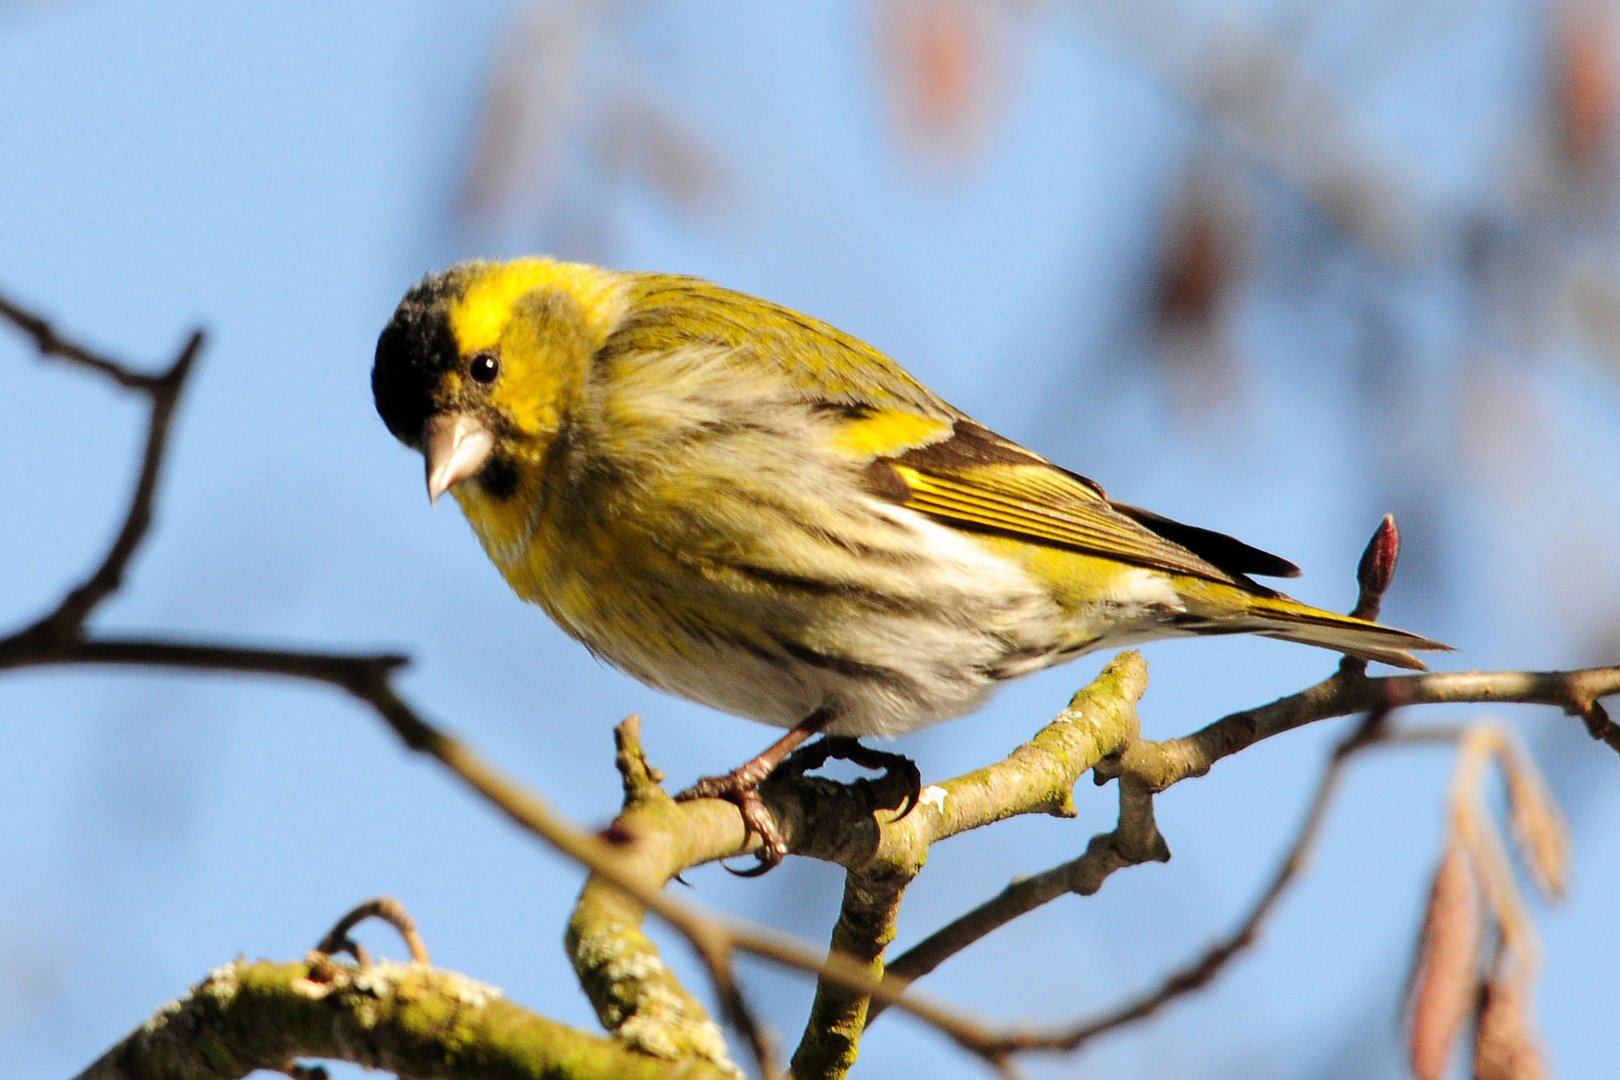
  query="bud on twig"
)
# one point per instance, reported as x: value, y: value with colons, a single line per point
x: 1377, y: 568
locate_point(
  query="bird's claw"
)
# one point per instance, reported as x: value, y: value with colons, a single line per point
x: 894, y: 767
x: 741, y: 789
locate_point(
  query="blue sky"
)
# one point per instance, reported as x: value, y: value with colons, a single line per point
x: 279, y: 174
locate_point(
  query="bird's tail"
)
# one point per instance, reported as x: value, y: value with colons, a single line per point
x: 1282, y: 617
x: 1289, y: 620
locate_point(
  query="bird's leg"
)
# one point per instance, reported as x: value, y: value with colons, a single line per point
x: 847, y: 748
x: 741, y: 786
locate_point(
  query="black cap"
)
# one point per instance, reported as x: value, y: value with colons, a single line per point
x: 414, y: 352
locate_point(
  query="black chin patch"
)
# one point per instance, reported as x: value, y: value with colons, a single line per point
x: 498, y: 478
x: 414, y: 352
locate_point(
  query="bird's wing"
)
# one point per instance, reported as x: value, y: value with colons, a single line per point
x: 923, y: 453
x: 969, y: 477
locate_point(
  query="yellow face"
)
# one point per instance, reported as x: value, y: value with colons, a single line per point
x: 478, y: 365
x: 539, y: 321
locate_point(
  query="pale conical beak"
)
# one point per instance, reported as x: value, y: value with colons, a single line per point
x: 454, y: 447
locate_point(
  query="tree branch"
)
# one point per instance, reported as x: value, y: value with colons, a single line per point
x: 1158, y: 765
x: 403, y: 1018
x: 67, y: 620
x: 867, y: 919
x: 1203, y: 970
x: 1576, y: 692
x: 840, y: 823
x: 1134, y: 840
x: 48, y: 342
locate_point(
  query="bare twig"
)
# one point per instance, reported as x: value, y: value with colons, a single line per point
x: 359, y: 673
x: 51, y: 343
x: 387, y: 909
x: 1133, y: 841
x: 1207, y: 966
x: 741, y: 1016
x: 1575, y: 692
x: 369, y: 679
x: 67, y: 620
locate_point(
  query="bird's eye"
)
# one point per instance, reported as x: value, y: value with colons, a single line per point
x: 483, y: 368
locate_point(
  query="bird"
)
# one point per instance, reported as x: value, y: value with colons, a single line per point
x: 746, y: 507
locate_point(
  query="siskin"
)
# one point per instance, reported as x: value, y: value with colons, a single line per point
x: 744, y: 506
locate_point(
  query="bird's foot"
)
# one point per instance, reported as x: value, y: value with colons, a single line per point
x: 740, y: 787
x: 897, y: 769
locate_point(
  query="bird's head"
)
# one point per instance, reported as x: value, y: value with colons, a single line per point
x: 478, y: 367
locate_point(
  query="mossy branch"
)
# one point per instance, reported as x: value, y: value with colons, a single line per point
x: 406, y: 1019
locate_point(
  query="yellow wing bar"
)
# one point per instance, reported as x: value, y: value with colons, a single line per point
x: 998, y: 499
